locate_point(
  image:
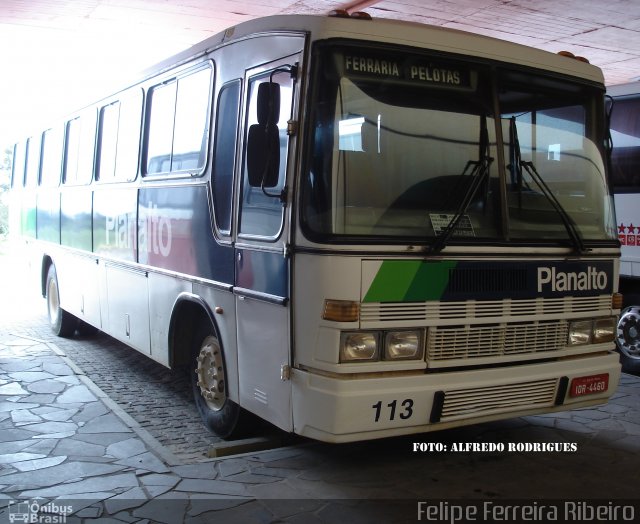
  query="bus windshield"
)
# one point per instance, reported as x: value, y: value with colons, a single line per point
x: 405, y: 146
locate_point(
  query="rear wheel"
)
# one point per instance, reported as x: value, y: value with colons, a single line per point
x: 208, y: 380
x: 62, y: 323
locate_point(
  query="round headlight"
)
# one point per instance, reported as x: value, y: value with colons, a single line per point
x: 403, y: 345
x: 358, y: 346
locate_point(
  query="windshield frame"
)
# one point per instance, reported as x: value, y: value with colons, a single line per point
x: 324, y: 50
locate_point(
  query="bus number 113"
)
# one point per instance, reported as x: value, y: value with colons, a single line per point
x: 406, y: 409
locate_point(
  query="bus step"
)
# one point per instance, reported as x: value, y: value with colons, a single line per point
x: 248, y: 445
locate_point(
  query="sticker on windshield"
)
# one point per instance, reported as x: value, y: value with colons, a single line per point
x: 440, y: 222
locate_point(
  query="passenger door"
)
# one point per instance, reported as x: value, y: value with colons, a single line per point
x: 262, y: 264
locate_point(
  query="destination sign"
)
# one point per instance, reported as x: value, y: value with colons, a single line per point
x: 412, y: 69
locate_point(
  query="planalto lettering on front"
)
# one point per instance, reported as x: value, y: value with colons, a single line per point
x: 550, y: 279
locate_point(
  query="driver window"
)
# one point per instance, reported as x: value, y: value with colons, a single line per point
x: 261, y: 214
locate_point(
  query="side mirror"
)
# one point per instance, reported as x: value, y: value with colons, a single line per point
x: 263, y: 140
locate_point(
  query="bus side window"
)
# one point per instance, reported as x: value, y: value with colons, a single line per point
x: 119, y: 138
x: 33, y: 162
x: 192, y: 122
x: 79, y: 149
x: 51, y: 163
x: 224, y: 155
x: 107, y: 142
x: 160, y: 134
x: 129, y: 126
x: 178, y: 125
x: 19, y: 161
x: 262, y: 213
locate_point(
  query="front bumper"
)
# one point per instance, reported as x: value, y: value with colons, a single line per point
x: 336, y: 409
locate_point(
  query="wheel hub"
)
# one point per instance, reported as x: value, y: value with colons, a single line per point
x: 210, y: 373
x: 53, y: 302
x: 628, y: 332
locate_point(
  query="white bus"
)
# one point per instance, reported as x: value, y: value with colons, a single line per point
x: 625, y: 180
x: 351, y: 228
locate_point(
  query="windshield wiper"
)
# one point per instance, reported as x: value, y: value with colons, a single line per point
x: 478, y: 176
x: 516, y: 167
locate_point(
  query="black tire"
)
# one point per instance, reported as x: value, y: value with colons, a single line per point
x: 62, y: 323
x: 86, y: 330
x: 220, y: 415
x: 630, y: 365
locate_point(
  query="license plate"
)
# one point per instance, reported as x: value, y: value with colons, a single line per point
x: 589, y: 385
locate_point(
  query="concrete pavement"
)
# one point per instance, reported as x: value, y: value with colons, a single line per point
x: 67, y: 450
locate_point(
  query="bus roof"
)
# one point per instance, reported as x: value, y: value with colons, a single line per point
x: 380, y: 30
x: 394, y: 32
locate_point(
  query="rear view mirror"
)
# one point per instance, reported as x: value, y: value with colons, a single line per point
x: 263, y: 141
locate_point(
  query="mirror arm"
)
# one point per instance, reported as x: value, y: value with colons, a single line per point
x: 286, y: 68
x: 282, y: 196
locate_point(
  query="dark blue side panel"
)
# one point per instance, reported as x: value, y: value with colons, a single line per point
x: 48, y: 215
x: 114, y: 223
x: 174, y: 232
x: 263, y: 272
x: 28, y: 214
x: 75, y: 218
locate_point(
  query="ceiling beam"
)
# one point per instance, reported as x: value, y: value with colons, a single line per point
x: 358, y: 5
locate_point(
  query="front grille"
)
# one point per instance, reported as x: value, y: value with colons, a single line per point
x: 465, y: 342
x: 465, y: 403
x: 487, y: 280
x: 382, y: 312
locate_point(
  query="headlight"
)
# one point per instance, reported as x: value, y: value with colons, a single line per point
x: 401, y: 345
x: 604, y: 330
x: 592, y: 331
x: 356, y: 347
x: 580, y: 332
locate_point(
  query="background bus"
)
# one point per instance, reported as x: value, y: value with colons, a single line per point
x: 625, y: 179
x: 353, y: 229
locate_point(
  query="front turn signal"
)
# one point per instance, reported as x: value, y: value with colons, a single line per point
x: 341, y: 310
x: 616, y: 301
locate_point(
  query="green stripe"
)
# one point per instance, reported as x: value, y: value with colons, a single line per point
x: 409, y: 281
x: 392, y: 281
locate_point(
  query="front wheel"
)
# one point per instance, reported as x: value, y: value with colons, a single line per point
x: 61, y: 322
x: 209, y: 384
x: 628, y: 339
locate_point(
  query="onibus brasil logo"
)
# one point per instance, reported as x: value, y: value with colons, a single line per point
x: 38, y: 512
